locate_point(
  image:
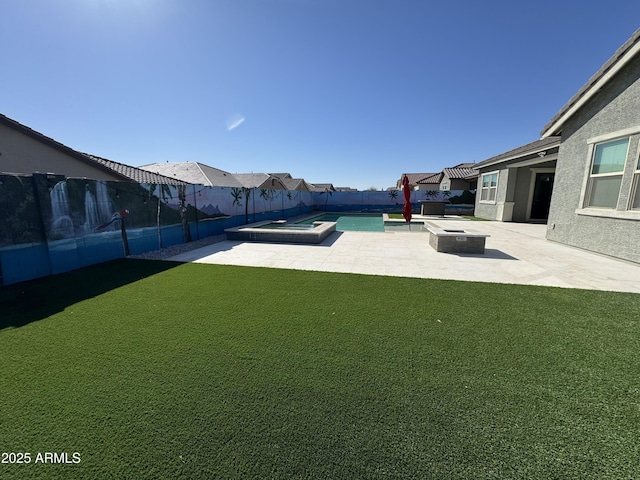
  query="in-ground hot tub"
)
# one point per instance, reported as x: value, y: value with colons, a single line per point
x: 282, y: 231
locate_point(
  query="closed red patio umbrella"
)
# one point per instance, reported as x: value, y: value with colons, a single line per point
x: 406, y: 210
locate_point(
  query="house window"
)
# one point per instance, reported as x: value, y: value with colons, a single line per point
x: 607, y: 167
x: 445, y: 186
x: 611, y: 182
x: 489, y: 187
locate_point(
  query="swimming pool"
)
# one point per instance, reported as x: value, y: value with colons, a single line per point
x: 359, y: 222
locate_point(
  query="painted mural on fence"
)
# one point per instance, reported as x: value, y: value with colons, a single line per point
x: 41, y: 208
x: 20, y: 220
x: 51, y: 224
x: 391, y: 199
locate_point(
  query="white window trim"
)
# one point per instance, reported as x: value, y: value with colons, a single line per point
x: 495, y: 200
x: 626, y: 214
x: 627, y: 132
x: 607, y: 212
x: 635, y: 184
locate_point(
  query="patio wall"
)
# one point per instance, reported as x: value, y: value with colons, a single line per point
x: 51, y: 224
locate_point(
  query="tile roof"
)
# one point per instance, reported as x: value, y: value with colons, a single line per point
x: 322, y: 187
x: 432, y: 179
x: 260, y: 180
x: 627, y: 51
x: 414, y: 177
x: 195, y: 173
x: 58, y: 146
x: 298, y: 184
x: 136, y: 174
x: 125, y: 172
x: 460, y: 172
x: 528, y: 149
x: 282, y: 176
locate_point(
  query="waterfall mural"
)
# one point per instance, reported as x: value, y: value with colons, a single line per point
x: 104, y: 203
x: 91, y: 219
x: 61, y: 222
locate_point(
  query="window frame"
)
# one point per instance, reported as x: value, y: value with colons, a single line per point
x: 635, y: 186
x: 595, y: 176
x: 628, y: 186
x: 482, y: 187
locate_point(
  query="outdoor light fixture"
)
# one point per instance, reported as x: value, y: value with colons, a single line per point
x: 542, y: 154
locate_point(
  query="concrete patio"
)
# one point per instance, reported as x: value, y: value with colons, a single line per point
x: 515, y: 253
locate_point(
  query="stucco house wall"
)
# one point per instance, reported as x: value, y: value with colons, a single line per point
x: 493, y: 210
x: 20, y: 153
x: 514, y: 191
x: 454, y: 184
x: 614, y: 109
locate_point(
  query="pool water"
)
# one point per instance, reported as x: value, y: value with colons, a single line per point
x: 359, y: 222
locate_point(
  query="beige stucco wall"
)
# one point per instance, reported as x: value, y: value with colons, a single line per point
x: 20, y: 153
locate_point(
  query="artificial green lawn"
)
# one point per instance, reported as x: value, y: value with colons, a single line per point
x: 160, y: 370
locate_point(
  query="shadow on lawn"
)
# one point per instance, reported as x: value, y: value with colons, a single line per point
x: 38, y: 299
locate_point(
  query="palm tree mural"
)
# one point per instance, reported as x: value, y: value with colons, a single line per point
x: 164, y: 192
x: 236, y: 193
x: 182, y: 197
x: 431, y: 193
x: 326, y: 199
x: 247, y: 195
x: 269, y: 195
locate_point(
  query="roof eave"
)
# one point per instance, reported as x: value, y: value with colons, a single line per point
x: 29, y: 132
x: 629, y: 50
x: 539, y: 149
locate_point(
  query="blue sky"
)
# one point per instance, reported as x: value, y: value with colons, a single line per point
x: 352, y: 92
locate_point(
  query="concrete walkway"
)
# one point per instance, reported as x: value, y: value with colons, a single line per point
x: 515, y: 253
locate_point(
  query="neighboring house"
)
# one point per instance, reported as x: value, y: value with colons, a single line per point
x: 263, y: 181
x: 328, y: 187
x: 24, y: 151
x: 516, y: 185
x: 282, y: 176
x: 460, y: 177
x: 414, y: 180
x: 298, y: 184
x: 432, y: 182
x: 322, y: 187
x: 195, y: 173
x: 596, y: 195
x: 291, y: 183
